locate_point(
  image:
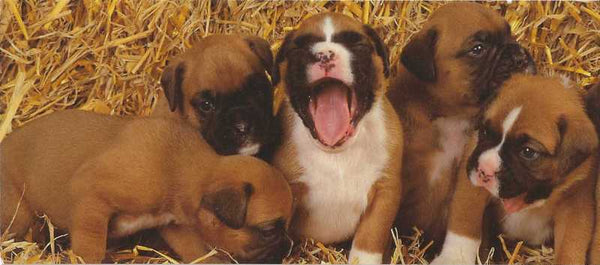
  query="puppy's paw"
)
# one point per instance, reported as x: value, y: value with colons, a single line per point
x: 450, y: 259
x: 458, y: 250
x: 358, y: 256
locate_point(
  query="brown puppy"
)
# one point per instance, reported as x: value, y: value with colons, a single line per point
x: 219, y: 86
x: 593, y: 108
x: 537, y: 156
x: 102, y: 176
x: 449, y: 69
x: 342, y: 141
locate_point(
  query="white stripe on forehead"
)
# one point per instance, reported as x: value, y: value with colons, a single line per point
x: 491, y: 157
x: 508, y: 123
x: 328, y: 29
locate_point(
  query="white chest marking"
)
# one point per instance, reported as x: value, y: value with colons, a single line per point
x: 338, y: 182
x: 124, y: 225
x: 452, y: 139
x: 529, y: 224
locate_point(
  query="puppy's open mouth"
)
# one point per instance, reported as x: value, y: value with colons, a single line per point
x: 332, y: 107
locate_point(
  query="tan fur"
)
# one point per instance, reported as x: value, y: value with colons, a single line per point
x: 571, y: 204
x: 218, y: 62
x: 85, y: 170
x: 373, y: 231
x: 419, y: 104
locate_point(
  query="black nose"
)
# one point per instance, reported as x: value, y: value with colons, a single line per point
x: 521, y: 59
x: 278, y: 251
x: 326, y: 56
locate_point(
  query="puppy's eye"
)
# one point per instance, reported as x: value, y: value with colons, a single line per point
x: 477, y: 50
x: 268, y: 232
x: 528, y: 153
x: 206, y: 106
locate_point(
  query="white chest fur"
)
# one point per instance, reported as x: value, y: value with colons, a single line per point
x: 338, y: 182
x: 124, y: 225
x: 452, y: 138
x: 532, y: 225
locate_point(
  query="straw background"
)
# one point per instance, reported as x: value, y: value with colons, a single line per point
x: 107, y: 57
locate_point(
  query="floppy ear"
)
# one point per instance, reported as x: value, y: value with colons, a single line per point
x: 380, y: 48
x: 578, y: 139
x: 280, y: 57
x: 229, y: 204
x: 418, y: 56
x: 262, y: 49
x: 171, y: 81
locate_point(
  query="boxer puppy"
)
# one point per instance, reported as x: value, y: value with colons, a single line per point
x: 537, y: 158
x: 342, y: 141
x: 593, y: 108
x: 447, y: 71
x: 105, y: 177
x: 219, y: 86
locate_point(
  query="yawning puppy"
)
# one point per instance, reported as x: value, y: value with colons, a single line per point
x: 342, y: 141
x: 536, y: 154
x: 219, y: 85
x: 449, y: 69
x: 102, y: 176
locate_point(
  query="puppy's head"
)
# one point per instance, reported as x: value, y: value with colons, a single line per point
x: 462, y: 54
x: 531, y: 137
x: 333, y: 68
x: 247, y: 210
x: 219, y: 85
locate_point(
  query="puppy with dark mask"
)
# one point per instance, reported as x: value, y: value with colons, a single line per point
x: 342, y: 141
x: 448, y: 70
x: 99, y: 177
x: 536, y: 157
x: 219, y: 85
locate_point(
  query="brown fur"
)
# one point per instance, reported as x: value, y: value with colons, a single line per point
x: 373, y: 230
x: 90, y: 173
x: 572, y: 195
x: 419, y: 103
x: 593, y: 108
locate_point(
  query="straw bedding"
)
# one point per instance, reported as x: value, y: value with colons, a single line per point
x: 107, y: 56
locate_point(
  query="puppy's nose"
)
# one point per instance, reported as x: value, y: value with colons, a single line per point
x: 325, y: 56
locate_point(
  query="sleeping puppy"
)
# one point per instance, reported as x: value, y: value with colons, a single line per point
x: 342, y: 141
x: 219, y: 86
x: 536, y: 155
x: 593, y: 109
x: 101, y: 177
x: 446, y: 75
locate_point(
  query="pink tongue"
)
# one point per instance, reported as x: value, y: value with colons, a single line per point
x: 331, y: 115
x: 514, y: 204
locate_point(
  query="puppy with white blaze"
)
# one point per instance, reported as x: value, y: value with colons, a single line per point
x: 342, y: 141
x: 530, y: 174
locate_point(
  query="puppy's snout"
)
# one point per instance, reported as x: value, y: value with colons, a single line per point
x: 521, y: 59
x: 325, y: 56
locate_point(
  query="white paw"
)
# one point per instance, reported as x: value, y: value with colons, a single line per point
x: 458, y: 249
x: 451, y: 259
x: 358, y: 256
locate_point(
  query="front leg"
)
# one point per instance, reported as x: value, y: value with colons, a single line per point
x: 188, y: 244
x: 467, y: 208
x: 89, y: 227
x: 573, y: 227
x: 372, y: 236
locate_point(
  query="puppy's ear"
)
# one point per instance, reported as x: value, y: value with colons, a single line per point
x: 229, y: 204
x: 418, y: 56
x: 578, y: 139
x: 380, y: 48
x: 171, y: 81
x: 280, y: 57
x: 262, y: 49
